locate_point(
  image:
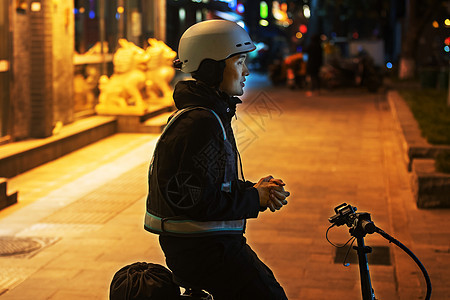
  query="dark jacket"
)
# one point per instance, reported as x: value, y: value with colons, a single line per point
x: 191, y: 161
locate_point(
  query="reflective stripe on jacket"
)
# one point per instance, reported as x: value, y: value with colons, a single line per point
x: 177, y: 227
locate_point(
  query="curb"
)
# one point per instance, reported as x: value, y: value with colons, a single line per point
x: 430, y: 188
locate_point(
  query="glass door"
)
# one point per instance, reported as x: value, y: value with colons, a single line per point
x: 4, y: 68
x: 96, y: 35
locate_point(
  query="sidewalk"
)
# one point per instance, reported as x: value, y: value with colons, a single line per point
x: 86, y: 209
x: 83, y: 212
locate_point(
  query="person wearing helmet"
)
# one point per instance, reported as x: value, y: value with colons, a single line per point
x: 198, y: 199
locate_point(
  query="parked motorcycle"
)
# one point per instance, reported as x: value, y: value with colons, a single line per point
x: 353, y: 72
x: 290, y: 71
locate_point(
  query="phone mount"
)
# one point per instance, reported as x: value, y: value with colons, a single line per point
x: 360, y: 225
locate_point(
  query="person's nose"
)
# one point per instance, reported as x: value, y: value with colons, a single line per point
x: 245, y: 70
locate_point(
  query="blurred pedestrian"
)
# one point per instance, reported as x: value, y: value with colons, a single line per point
x: 198, y: 198
x: 314, y: 63
x: 295, y: 70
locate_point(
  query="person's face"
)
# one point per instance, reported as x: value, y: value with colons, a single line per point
x: 234, y: 75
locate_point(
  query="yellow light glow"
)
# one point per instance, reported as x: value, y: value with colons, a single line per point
x: 35, y: 6
x: 299, y: 35
x: 447, y: 22
x: 280, y: 15
x: 120, y: 9
x: 82, y: 10
x: 264, y: 23
x: 435, y: 24
x: 277, y: 15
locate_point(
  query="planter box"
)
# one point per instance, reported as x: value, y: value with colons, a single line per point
x: 431, y: 188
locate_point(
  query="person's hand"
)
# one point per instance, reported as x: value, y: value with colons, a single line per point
x: 264, y: 186
x: 277, y: 196
x: 271, y: 193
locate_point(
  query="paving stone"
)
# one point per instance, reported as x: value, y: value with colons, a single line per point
x: 68, y: 294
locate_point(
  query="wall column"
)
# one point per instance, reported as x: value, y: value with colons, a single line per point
x: 160, y: 20
x: 41, y: 68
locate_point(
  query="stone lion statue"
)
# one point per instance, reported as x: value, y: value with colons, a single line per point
x: 124, y: 88
x: 141, y: 77
x: 160, y: 71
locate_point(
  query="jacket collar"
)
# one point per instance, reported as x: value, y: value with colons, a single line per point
x: 196, y: 93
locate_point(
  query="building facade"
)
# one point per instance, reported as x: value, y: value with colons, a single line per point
x: 52, y: 53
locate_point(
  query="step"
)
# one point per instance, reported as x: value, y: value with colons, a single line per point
x: 21, y: 156
x: 5, y: 199
x: 151, y: 122
x: 431, y: 188
x: 158, y: 122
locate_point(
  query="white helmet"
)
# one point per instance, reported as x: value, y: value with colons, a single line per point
x: 213, y: 39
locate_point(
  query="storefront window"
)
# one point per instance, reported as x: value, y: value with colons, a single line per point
x: 99, y: 24
x: 92, y: 53
x: 4, y: 68
x: 89, y: 17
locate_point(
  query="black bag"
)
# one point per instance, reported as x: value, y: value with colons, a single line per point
x: 143, y: 281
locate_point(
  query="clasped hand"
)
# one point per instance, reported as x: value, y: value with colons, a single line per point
x: 271, y: 193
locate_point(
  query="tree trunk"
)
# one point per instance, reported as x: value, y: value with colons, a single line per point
x: 407, y: 68
x: 413, y: 27
x: 448, y: 88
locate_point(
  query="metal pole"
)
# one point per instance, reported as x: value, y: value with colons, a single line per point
x: 366, y: 285
x: 160, y: 20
